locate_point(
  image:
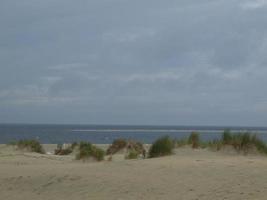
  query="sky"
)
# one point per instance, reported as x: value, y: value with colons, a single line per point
x: 171, y: 62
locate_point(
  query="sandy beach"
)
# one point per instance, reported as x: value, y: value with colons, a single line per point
x: 189, y: 174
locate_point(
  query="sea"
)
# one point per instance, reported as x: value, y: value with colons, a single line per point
x: 105, y: 134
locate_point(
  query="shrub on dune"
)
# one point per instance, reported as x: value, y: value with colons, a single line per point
x: 136, y: 147
x: 132, y: 154
x: 161, y: 147
x: 63, y: 151
x: 227, y: 137
x: 131, y: 148
x: 30, y: 145
x: 215, y: 144
x: 194, y: 140
x: 60, y: 150
x: 116, y: 146
x: 87, y: 150
x: 260, y: 145
x: 181, y: 142
x: 244, y: 142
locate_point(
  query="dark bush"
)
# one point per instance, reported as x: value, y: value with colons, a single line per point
x: 161, y: 147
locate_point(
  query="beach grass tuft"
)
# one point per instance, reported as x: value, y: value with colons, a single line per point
x: 61, y: 150
x: 31, y: 145
x: 161, y: 147
x: 116, y: 146
x: 194, y: 140
x: 132, y: 154
x: 243, y: 142
x: 87, y: 150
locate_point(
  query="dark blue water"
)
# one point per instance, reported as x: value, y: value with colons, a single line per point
x: 104, y: 134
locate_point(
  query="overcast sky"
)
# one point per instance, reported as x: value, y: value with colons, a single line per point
x: 180, y: 62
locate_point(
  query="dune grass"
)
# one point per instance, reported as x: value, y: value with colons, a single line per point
x: 87, y: 150
x: 161, y: 147
x: 244, y: 141
x: 181, y: 142
x: 116, y: 146
x: 132, y: 148
x: 31, y: 145
x: 65, y: 151
x: 132, y: 154
x: 194, y: 140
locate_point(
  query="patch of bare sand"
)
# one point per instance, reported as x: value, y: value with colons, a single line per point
x: 189, y: 174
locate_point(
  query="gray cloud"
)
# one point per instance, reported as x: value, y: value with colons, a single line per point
x: 119, y: 61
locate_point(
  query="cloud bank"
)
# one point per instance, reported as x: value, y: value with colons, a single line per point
x: 134, y: 62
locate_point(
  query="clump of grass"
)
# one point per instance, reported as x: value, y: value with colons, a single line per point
x: 161, y: 147
x: 260, y: 145
x: 227, y: 137
x: 203, y: 144
x: 65, y: 151
x: 215, y: 145
x: 116, y: 146
x: 138, y: 147
x: 30, y: 145
x: 87, y: 150
x: 194, y: 140
x: 243, y: 142
x: 132, y: 154
x: 131, y: 146
x: 181, y: 142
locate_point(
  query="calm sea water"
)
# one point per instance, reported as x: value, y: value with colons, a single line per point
x: 104, y: 134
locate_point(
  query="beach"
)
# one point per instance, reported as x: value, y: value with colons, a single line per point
x: 188, y: 174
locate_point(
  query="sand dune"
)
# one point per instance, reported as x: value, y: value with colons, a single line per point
x: 189, y: 174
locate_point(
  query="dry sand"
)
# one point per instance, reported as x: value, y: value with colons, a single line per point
x: 189, y: 174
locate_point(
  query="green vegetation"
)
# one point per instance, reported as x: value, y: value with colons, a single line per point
x: 181, y: 142
x: 30, y: 145
x: 194, y: 140
x: 246, y: 141
x: 260, y: 145
x: 215, y: 145
x: 87, y: 150
x: 132, y: 147
x: 161, y: 147
x: 137, y: 147
x: 132, y: 154
x: 116, y: 146
x: 65, y: 151
x: 227, y: 137
x: 241, y: 142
